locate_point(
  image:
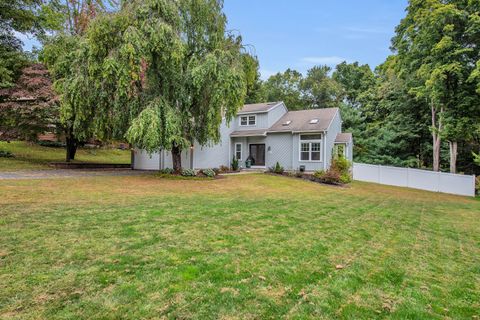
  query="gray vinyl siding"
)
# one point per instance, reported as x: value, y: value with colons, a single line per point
x: 350, y: 151
x: 213, y: 156
x: 334, y: 129
x: 167, y: 162
x: 275, y: 114
x: 279, y: 148
x: 145, y: 161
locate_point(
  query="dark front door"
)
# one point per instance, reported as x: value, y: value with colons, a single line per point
x: 257, y: 154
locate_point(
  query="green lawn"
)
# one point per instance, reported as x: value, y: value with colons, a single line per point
x: 243, y: 247
x: 33, y: 156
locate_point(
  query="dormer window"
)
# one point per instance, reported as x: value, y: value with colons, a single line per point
x: 314, y: 121
x: 248, y: 120
x: 286, y: 123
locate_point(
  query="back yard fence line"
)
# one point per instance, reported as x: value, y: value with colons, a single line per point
x: 459, y: 184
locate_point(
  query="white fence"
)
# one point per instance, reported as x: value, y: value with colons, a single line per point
x: 414, y: 178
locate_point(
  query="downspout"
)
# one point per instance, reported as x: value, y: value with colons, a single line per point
x: 191, y: 156
x: 293, y: 148
x: 324, y: 151
x: 229, y: 150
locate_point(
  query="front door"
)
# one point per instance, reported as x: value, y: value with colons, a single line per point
x: 257, y: 154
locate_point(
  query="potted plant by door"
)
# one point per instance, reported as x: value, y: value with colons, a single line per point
x: 248, y: 163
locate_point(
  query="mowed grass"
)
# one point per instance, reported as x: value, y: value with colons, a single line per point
x: 242, y: 247
x: 33, y: 156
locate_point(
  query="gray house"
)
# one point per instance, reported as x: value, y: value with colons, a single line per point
x: 266, y: 133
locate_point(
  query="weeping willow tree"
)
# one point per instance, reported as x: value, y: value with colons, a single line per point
x: 160, y: 73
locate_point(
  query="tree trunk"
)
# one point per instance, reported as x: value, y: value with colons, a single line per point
x: 71, y: 144
x: 453, y: 156
x: 436, y: 129
x: 176, y: 158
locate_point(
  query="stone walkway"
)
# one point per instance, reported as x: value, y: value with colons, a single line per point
x: 62, y: 173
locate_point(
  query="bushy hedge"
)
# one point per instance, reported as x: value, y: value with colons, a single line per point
x: 209, y: 172
x: 339, y: 172
x: 188, y: 173
x: 167, y: 171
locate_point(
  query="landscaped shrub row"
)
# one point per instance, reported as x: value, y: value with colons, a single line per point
x: 210, y: 173
x: 338, y: 174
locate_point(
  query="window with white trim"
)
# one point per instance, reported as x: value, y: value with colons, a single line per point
x: 238, y: 151
x: 310, y: 147
x: 248, y: 120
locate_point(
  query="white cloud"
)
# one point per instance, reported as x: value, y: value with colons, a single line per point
x: 328, y: 60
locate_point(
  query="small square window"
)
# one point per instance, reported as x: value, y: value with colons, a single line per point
x: 252, y: 120
x: 243, y: 121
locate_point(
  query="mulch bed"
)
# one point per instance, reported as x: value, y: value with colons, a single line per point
x: 309, y: 177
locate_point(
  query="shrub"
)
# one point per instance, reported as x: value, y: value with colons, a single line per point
x: 51, y: 144
x: 188, y: 173
x: 167, y: 171
x: 299, y: 174
x: 6, y: 154
x: 278, y: 169
x: 330, y: 176
x: 224, y: 169
x: 345, y: 178
x: 209, y: 172
x: 319, y: 173
x: 341, y: 165
x: 235, y: 165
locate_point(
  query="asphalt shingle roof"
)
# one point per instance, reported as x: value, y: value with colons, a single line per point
x: 248, y: 133
x: 258, y: 107
x: 343, y: 137
x: 300, y: 121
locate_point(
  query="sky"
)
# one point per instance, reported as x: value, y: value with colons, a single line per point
x: 303, y: 33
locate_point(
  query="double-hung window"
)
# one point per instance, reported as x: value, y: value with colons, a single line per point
x: 310, y: 147
x: 238, y: 151
x: 248, y: 120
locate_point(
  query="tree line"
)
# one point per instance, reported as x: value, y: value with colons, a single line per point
x: 162, y: 74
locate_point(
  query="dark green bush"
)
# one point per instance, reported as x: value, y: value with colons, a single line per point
x: 6, y: 154
x: 167, y: 171
x: 235, y: 164
x: 51, y: 144
x: 209, y: 172
x: 188, y: 173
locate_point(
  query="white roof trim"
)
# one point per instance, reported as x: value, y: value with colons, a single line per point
x: 331, y: 121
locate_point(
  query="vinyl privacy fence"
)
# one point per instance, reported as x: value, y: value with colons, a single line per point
x: 414, y: 178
